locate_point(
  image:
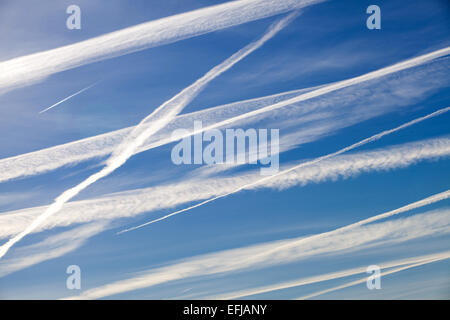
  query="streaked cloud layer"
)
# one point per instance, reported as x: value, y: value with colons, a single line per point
x: 28, y: 69
x: 279, y: 252
x: 363, y: 153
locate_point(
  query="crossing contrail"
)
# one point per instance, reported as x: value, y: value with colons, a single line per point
x: 418, y: 204
x: 44, y: 160
x: 258, y: 256
x: 439, y: 257
x: 131, y: 203
x: 34, y: 67
x: 159, y: 118
x: 326, y: 277
x: 303, y: 164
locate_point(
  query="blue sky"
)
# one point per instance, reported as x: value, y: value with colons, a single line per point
x: 328, y: 42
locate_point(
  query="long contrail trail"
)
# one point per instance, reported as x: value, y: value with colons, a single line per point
x: 27, y: 69
x: 303, y: 164
x: 159, y: 118
x: 51, y: 158
x: 353, y: 283
x: 324, y: 277
x: 167, y: 111
x: 259, y: 256
x: 335, y: 86
x: 418, y: 204
x: 67, y: 98
x: 135, y: 202
x: 424, y: 202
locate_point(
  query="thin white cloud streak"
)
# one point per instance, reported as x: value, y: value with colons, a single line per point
x: 260, y: 256
x: 131, y: 203
x: 35, y: 67
x: 67, y: 98
x: 418, y: 204
x: 52, y: 158
x: 326, y: 277
x: 50, y: 248
x: 158, y: 119
x: 165, y: 113
x: 440, y: 257
x: 296, y: 167
x: 340, y: 85
x: 329, y: 88
x: 44, y: 160
x: 424, y: 202
x: 59, y: 245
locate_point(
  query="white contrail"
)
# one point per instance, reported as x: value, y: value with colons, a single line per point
x: 258, y: 256
x: 167, y: 111
x: 418, y: 204
x: 303, y: 164
x: 52, y: 158
x: 338, y: 85
x: 134, y: 202
x: 131, y: 203
x: 424, y: 202
x: 67, y: 98
x: 51, y: 247
x: 128, y: 204
x: 353, y: 283
x: 159, y: 118
x: 324, y: 277
x: 34, y: 67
